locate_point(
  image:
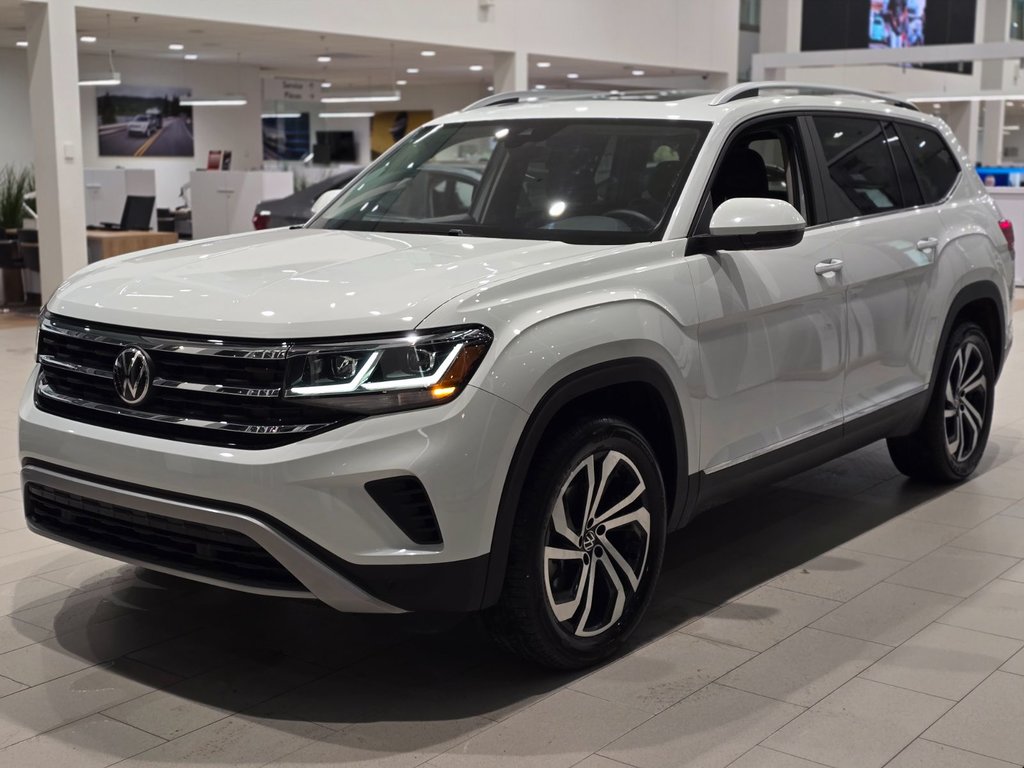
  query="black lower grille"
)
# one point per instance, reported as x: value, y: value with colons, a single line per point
x: 405, y: 501
x: 196, y: 548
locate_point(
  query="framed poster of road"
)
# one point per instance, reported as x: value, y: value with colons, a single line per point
x: 141, y: 121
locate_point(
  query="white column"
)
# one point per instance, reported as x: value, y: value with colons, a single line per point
x: 510, y: 72
x: 57, y: 140
x: 995, y: 75
x: 962, y: 117
x: 781, y: 24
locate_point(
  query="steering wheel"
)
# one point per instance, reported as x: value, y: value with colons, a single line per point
x: 632, y: 218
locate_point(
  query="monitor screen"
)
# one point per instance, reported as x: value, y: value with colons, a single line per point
x: 138, y: 213
x: 334, y: 147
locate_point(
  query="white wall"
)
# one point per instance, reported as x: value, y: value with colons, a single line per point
x: 234, y: 128
x: 15, y: 121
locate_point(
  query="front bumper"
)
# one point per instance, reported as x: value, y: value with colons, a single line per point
x: 306, y: 503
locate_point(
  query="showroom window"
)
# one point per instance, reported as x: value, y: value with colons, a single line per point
x: 937, y: 169
x: 750, y: 15
x: 861, y: 177
x: 1017, y: 20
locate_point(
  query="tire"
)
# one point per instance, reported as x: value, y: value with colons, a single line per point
x: 951, y: 439
x: 573, y: 595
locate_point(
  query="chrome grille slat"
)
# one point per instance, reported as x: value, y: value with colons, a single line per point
x: 226, y: 394
x: 253, y: 429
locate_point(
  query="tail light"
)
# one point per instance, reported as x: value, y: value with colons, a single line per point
x: 261, y: 220
x: 1007, y: 227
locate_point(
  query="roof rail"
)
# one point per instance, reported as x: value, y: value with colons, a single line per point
x: 750, y: 90
x: 522, y: 97
x: 519, y: 97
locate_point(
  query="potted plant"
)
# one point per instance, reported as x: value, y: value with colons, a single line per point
x: 14, y: 185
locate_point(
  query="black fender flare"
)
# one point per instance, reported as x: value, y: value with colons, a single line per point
x: 592, y: 379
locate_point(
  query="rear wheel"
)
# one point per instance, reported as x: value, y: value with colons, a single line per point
x: 951, y: 440
x: 586, y: 549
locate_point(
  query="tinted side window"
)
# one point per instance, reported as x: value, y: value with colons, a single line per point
x: 937, y: 169
x: 859, y: 177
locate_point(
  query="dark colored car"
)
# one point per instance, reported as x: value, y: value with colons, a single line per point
x: 451, y: 189
x: 298, y: 208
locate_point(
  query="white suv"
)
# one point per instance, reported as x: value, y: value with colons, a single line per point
x: 643, y: 306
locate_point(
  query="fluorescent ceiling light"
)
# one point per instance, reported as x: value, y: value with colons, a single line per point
x: 221, y: 101
x: 331, y: 115
x: 106, y: 78
x: 413, y: 70
x: 22, y: 43
x: 1011, y: 127
x: 323, y: 59
x: 279, y: 115
x: 176, y: 47
x: 88, y: 38
x: 401, y: 82
x: 428, y: 54
x: 540, y: 87
x: 572, y: 76
x: 638, y: 73
x: 326, y: 84
x: 543, y: 64
x: 191, y: 56
x: 476, y: 68
x: 356, y: 98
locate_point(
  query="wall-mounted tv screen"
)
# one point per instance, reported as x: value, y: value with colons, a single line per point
x: 896, y: 23
x: 334, y: 147
x: 837, y: 24
x: 286, y: 136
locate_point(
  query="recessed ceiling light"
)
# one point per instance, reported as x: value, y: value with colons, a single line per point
x: 540, y: 87
x: 22, y: 43
x: 326, y: 85
x: 191, y: 56
x: 572, y: 76
x: 88, y: 38
x: 490, y: 89
x: 176, y: 47
x: 323, y: 59
x: 413, y: 70
x: 936, y: 106
x: 476, y: 68
x: 428, y: 53
x: 1009, y: 103
x: 638, y: 73
x: 543, y: 64
x: 401, y: 82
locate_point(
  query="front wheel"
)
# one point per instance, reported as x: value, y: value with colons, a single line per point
x: 586, y: 549
x: 951, y: 440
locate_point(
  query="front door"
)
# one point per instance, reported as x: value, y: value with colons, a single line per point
x: 772, y: 324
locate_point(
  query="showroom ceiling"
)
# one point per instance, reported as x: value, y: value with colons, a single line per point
x: 354, y: 61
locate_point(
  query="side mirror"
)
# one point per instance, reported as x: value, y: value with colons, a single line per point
x: 751, y: 223
x: 324, y: 200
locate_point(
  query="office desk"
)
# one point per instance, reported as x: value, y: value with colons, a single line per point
x: 106, y: 243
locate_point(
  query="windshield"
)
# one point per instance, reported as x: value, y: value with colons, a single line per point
x: 594, y: 181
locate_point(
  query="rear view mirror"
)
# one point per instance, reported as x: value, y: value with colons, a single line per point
x: 751, y: 223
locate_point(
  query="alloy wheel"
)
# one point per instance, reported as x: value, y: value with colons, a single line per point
x: 966, y: 401
x: 597, y: 544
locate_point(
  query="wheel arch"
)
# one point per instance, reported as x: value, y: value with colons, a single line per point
x: 602, y: 385
x: 980, y: 302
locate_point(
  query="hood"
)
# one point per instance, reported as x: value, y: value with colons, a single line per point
x: 300, y: 283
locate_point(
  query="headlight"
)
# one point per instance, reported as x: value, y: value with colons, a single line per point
x: 386, y: 374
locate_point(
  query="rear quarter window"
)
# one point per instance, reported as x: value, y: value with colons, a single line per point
x: 936, y: 168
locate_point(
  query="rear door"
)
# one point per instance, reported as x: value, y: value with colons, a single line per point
x: 888, y: 244
x: 772, y: 322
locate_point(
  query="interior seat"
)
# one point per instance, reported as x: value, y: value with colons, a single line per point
x: 742, y: 174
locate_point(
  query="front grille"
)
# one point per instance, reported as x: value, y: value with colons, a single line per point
x: 195, y: 548
x: 219, y: 393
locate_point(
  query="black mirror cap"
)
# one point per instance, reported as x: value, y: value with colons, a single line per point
x: 756, y: 241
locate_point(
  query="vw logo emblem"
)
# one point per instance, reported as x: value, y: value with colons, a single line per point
x: 132, y: 375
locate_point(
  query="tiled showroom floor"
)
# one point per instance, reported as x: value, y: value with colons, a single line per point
x: 845, y: 618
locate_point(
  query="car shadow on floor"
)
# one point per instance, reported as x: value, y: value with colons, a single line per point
x: 341, y: 670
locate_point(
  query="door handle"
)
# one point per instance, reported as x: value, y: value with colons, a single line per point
x: 825, y: 267
x: 928, y: 244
